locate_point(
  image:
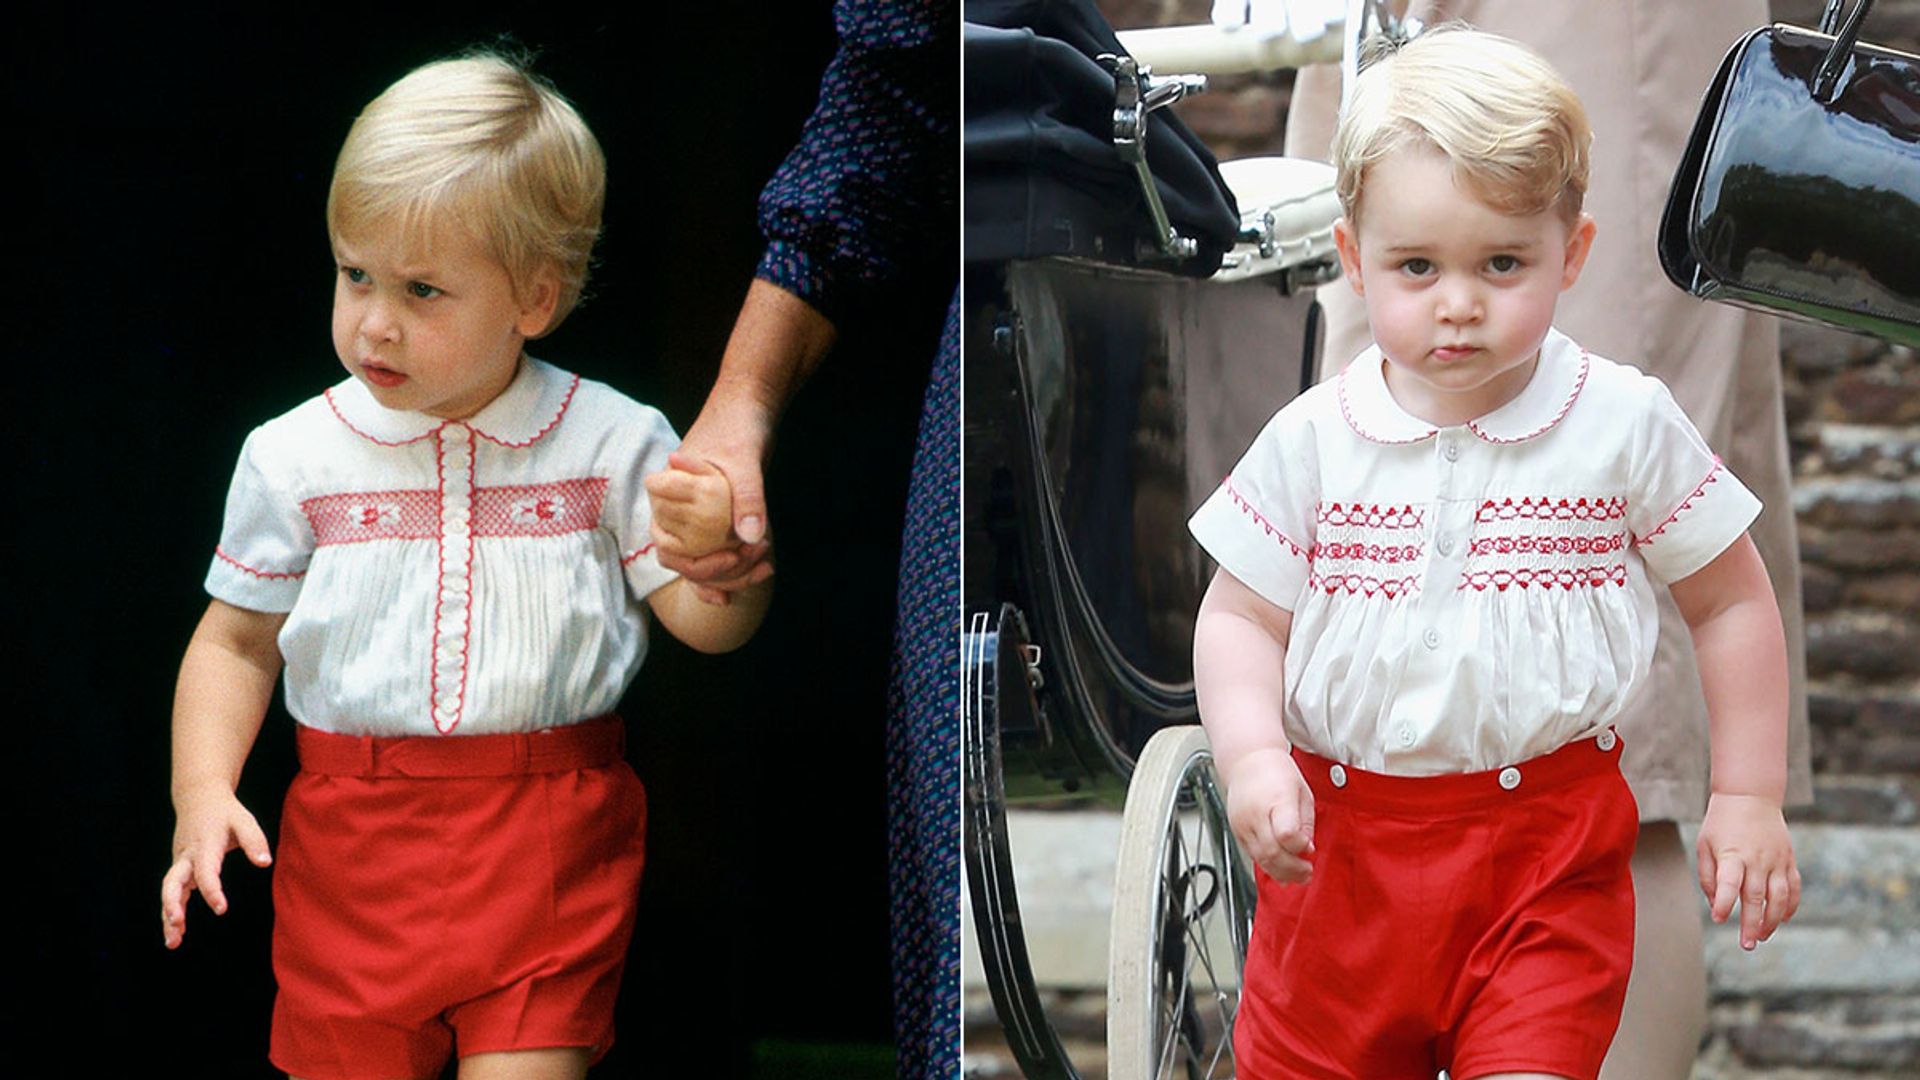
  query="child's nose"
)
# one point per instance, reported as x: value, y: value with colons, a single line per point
x: 1458, y: 301
x: 379, y: 321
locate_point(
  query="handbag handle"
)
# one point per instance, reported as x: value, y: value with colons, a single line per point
x: 1827, y: 80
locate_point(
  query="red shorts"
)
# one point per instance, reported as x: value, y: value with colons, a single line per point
x: 476, y: 891
x: 1480, y: 923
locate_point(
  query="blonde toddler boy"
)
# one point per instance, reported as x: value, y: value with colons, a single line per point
x: 1436, y: 591
x: 447, y: 554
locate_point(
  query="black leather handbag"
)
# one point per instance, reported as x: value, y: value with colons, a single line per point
x: 1799, y: 192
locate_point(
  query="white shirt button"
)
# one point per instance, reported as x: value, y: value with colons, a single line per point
x: 1509, y: 778
x: 1338, y: 774
x: 1406, y: 735
x: 1444, y: 545
x: 1606, y: 740
x: 1431, y: 637
x: 1451, y: 451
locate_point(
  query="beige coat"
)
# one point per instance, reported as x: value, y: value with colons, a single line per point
x: 1640, y: 66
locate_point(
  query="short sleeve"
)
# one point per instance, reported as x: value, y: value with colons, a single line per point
x: 640, y: 450
x: 265, y: 542
x: 1684, y: 506
x: 1259, y: 524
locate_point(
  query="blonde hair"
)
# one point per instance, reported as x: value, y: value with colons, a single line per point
x: 481, y: 141
x: 1516, y: 134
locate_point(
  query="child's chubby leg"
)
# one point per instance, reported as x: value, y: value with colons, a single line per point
x: 554, y: 1063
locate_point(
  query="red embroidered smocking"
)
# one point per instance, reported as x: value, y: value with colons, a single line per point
x: 1364, y: 585
x: 510, y: 510
x: 1547, y: 508
x: 539, y: 509
x: 1380, y: 553
x: 1371, y: 516
x: 1545, y: 544
x: 1545, y: 577
x: 357, y: 516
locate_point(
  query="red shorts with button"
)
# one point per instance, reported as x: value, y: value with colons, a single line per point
x: 1480, y: 922
x: 430, y: 893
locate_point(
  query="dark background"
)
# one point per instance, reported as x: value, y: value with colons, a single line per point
x: 173, y: 281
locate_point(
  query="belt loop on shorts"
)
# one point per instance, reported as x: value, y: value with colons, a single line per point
x: 585, y: 745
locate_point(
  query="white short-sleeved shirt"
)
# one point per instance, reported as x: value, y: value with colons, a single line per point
x: 478, y: 576
x: 1469, y: 597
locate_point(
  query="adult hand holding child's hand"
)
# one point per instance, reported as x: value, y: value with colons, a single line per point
x: 1270, y: 809
x: 210, y: 823
x: 1746, y: 855
x: 693, y: 527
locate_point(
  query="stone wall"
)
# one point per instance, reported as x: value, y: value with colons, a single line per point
x: 1837, y: 993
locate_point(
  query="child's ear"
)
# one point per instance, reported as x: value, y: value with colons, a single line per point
x: 1579, y: 246
x: 542, y: 296
x: 1348, y: 242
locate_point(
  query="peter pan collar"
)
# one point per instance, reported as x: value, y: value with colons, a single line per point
x: 530, y: 406
x: 1373, y: 414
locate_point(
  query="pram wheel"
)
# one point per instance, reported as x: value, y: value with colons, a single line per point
x: 1182, y: 911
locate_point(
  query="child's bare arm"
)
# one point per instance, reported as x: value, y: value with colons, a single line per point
x: 692, y: 508
x: 1239, y: 663
x: 1745, y: 853
x: 226, y: 681
x: 704, y: 625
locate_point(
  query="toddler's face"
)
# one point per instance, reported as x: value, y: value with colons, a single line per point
x: 436, y: 330
x: 1459, y: 295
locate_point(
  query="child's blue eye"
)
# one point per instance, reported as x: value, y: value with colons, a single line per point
x: 354, y: 274
x: 422, y: 290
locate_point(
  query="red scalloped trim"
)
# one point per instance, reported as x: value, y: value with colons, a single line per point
x: 1586, y: 365
x: 1371, y: 516
x: 1713, y: 474
x: 1391, y: 553
x: 1544, y: 508
x: 1546, y: 578
x: 440, y: 567
x: 538, y: 435
x: 565, y: 402
x: 1548, y: 544
x: 642, y: 551
x: 1365, y: 584
x: 342, y: 417
x: 267, y: 574
x: 1346, y: 413
x: 1248, y: 508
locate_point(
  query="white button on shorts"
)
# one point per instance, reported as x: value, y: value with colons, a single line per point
x: 1605, y: 740
x: 1509, y: 778
x: 1338, y: 774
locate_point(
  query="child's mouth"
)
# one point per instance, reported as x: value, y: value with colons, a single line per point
x: 382, y: 376
x: 1453, y: 352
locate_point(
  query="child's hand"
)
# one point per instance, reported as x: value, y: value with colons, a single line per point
x: 211, y: 822
x: 692, y: 507
x: 1746, y: 855
x: 1270, y: 808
